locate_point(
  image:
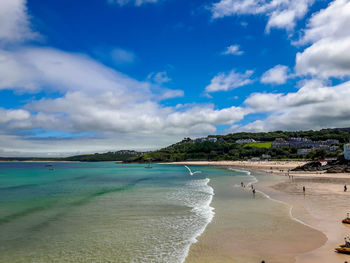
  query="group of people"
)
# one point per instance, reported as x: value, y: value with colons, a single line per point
x: 251, y: 186
x: 347, y: 241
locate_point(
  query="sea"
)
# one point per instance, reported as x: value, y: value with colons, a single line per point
x: 101, y: 212
x: 114, y: 212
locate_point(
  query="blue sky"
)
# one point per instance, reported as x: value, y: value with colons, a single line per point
x: 98, y: 75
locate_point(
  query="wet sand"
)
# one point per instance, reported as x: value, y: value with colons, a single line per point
x: 322, y: 208
x: 251, y: 231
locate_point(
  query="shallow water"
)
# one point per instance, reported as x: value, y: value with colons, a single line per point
x: 250, y: 228
x: 101, y: 212
x: 107, y: 212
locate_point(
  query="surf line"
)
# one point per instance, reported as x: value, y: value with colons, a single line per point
x: 209, y: 217
x: 255, y: 180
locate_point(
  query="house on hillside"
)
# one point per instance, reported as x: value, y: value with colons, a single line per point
x: 303, y: 151
x: 245, y: 141
x: 347, y: 151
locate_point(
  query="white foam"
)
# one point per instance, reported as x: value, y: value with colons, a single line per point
x: 255, y: 180
x: 290, y: 209
x: 239, y: 170
x: 197, y: 195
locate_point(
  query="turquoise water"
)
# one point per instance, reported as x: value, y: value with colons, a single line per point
x: 101, y: 212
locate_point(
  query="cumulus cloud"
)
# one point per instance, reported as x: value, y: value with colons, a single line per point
x: 9, y: 116
x: 78, y: 112
x: 134, y: 2
x: 233, y: 50
x: 232, y: 80
x: 159, y: 77
x: 14, y: 21
x: 313, y: 106
x: 275, y: 75
x: 281, y: 13
x: 38, y: 68
x: 98, y: 99
x: 328, y: 32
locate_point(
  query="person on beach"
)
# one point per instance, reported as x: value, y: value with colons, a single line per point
x: 345, y: 188
x: 304, y: 189
x: 242, y: 184
x: 253, y: 191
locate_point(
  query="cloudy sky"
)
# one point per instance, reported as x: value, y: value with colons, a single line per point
x: 98, y: 75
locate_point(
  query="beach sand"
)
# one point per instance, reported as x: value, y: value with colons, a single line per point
x: 322, y: 208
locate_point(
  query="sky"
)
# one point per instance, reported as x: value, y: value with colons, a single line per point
x: 104, y: 75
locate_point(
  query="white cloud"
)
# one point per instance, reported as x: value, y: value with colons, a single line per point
x: 233, y: 50
x: 275, y: 75
x: 14, y: 21
x: 38, y: 68
x: 328, y: 32
x: 326, y: 58
x: 232, y: 80
x: 314, y: 106
x: 9, y: 116
x: 333, y: 21
x: 159, y: 77
x: 134, y: 2
x: 97, y: 99
x: 281, y: 13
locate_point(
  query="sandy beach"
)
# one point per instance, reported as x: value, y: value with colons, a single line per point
x: 311, y: 237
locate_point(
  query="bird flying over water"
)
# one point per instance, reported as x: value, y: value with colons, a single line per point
x: 192, y: 173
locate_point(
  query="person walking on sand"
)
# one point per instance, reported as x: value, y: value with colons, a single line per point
x: 304, y: 189
x: 345, y: 188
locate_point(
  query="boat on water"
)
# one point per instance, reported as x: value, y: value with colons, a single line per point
x: 149, y: 165
x: 48, y: 165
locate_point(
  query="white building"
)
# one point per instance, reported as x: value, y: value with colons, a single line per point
x: 245, y: 141
x: 304, y: 151
x: 347, y: 151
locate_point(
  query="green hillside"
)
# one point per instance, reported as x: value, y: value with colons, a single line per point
x: 226, y: 148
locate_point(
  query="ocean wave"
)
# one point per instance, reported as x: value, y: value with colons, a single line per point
x: 255, y: 180
x: 289, y: 206
x: 197, y: 195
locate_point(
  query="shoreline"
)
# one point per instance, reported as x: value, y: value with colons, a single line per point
x: 321, y: 208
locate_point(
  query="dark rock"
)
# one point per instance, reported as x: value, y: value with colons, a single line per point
x: 311, y: 166
x: 336, y: 169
